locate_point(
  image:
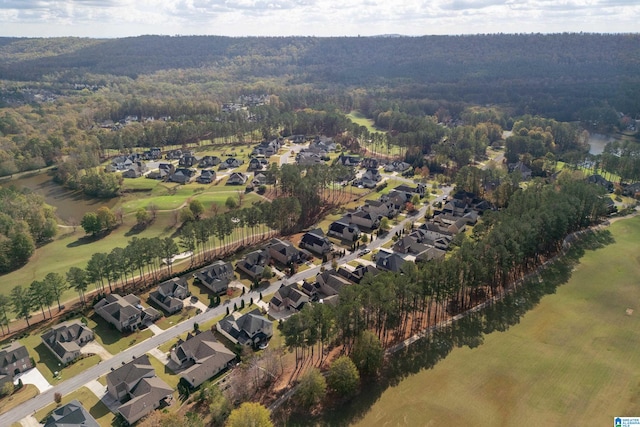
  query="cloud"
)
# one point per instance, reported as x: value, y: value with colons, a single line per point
x: 115, y: 18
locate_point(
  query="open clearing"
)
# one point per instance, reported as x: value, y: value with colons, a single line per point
x: 572, y: 360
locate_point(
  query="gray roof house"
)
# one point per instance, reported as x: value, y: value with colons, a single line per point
x: 65, y: 339
x: 182, y: 175
x: 14, y: 358
x: 389, y: 261
x: 253, y: 263
x: 170, y: 294
x: 316, y: 241
x: 522, y: 169
x: 125, y: 313
x: 237, y: 178
x: 288, y: 297
x: 207, y: 176
x: 137, y: 385
x: 72, y: 414
x: 216, y: 276
x: 248, y: 329
x: 344, y: 230
x: 209, y: 161
x: 381, y: 208
x: 330, y: 283
x: 201, y: 356
x: 372, y: 175
x: 254, y: 165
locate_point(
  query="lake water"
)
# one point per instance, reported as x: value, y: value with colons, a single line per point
x: 597, y: 142
x: 68, y: 204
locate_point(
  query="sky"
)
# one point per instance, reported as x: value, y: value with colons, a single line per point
x: 123, y: 18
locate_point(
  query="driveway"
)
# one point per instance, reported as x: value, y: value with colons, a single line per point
x: 30, y: 421
x: 95, y: 348
x: 33, y: 376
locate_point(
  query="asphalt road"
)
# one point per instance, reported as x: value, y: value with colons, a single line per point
x: 67, y: 386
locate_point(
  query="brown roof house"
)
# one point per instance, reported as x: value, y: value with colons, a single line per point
x: 14, y: 359
x: 249, y: 329
x: 65, y: 339
x: 284, y: 252
x: 170, y: 294
x: 125, y: 313
x: 201, y: 356
x: 288, y: 297
x: 216, y: 276
x: 137, y: 385
x: 72, y: 414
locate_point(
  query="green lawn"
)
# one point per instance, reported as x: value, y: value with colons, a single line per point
x: 47, y: 363
x: 168, y: 321
x: 358, y: 118
x: 164, y: 373
x: 91, y: 403
x: 572, y: 360
x: 112, y: 339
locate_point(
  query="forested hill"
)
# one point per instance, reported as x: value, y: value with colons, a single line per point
x: 481, y: 68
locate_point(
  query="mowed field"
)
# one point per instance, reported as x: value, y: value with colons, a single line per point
x: 573, y: 360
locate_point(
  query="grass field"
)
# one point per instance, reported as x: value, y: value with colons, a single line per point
x: 358, y: 118
x: 572, y: 360
x: 91, y: 403
x: 29, y: 391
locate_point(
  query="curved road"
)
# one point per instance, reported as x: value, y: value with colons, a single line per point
x: 105, y: 366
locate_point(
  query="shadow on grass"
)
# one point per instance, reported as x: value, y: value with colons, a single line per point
x: 468, y: 331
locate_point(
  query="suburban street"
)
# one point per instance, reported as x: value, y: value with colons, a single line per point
x: 105, y: 366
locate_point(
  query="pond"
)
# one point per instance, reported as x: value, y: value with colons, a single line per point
x: 68, y: 204
x: 597, y: 143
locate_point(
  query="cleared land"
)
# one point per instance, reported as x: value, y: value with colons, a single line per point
x: 572, y: 360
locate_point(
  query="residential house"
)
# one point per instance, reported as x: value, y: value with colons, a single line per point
x: 434, y: 235
x: 601, y: 181
x: 253, y: 263
x: 207, y: 176
x: 522, y: 169
x: 187, y: 161
x: 14, y: 359
x: 430, y: 254
x: 267, y: 148
x: 364, y: 219
x: 237, y: 178
x: 246, y: 329
x: 348, y: 160
x: 231, y: 162
x: 216, y: 276
x: 370, y: 163
x: 165, y: 170
x: 254, y: 165
x: 316, y: 241
x: 452, y: 224
x: 632, y: 190
x: 259, y: 179
x: 308, y: 158
x: 288, y: 297
x: 323, y: 143
x: 284, y: 252
x: 330, y: 283
x: 455, y: 207
x: 173, y: 155
x: 209, y: 161
x: 389, y: 261
x: 170, y: 294
x: 183, y: 175
x: 72, y: 414
x: 298, y: 139
x: 380, y: 208
x: 138, y: 389
x: 65, y: 339
x: 125, y: 313
x: 201, y: 356
x: 409, y: 245
x: 420, y: 190
x: 136, y: 170
x: 344, y: 230
x: 356, y: 274
x: 372, y: 175
x: 396, y: 166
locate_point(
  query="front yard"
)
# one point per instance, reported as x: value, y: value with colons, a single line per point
x: 112, y: 339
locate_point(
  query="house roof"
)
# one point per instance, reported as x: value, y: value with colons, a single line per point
x: 255, y: 261
x: 12, y: 353
x: 119, y: 307
x: 245, y: 327
x: 218, y: 272
x: 64, y: 337
x: 207, y: 354
x: 72, y: 414
x: 130, y: 372
x: 146, y: 394
x: 389, y: 261
x: 315, y: 237
x: 283, y: 247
